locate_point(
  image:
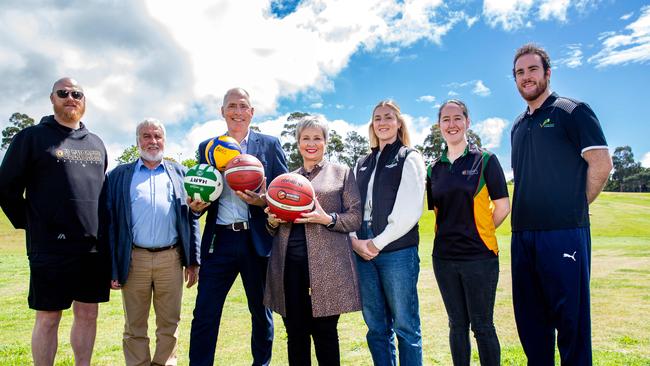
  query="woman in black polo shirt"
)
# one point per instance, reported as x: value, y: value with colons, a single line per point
x: 467, y: 189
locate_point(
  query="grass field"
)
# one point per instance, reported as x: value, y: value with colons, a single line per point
x: 620, y: 302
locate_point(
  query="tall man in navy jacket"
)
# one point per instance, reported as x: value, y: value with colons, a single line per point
x: 152, y: 234
x: 235, y: 241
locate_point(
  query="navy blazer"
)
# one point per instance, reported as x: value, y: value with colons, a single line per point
x: 118, y: 212
x: 269, y: 151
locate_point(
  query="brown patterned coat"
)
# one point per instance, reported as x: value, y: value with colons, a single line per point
x: 332, y: 267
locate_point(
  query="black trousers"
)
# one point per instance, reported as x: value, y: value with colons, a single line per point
x: 300, y: 323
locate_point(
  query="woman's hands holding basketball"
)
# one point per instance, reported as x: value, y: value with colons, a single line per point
x: 317, y: 216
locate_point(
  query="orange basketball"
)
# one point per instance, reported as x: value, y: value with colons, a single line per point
x: 289, y: 195
x: 244, y: 172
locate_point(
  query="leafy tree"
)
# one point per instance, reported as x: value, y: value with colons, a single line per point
x: 19, y: 121
x: 290, y: 147
x: 335, y: 146
x: 129, y: 155
x: 255, y: 128
x: 434, y: 144
x: 354, y: 147
x: 638, y: 182
x: 188, y: 163
x: 624, y: 166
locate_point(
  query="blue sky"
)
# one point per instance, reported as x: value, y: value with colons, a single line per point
x: 333, y: 58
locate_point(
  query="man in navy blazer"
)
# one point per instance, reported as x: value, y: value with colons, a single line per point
x: 152, y: 234
x: 235, y: 241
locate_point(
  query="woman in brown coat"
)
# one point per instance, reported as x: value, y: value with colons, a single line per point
x: 312, y: 276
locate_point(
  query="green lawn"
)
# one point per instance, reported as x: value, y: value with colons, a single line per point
x: 620, y: 302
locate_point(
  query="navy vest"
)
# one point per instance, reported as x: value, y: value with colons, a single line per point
x: 388, y: 175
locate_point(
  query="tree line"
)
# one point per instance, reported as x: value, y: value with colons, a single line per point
x: 628, y: 174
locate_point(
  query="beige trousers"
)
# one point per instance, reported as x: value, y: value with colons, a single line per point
x: 159, y: 274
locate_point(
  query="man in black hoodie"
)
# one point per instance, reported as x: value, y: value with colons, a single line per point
x: 50, y: 182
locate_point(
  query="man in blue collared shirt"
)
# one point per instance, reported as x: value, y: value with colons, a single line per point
x: 152, y: 235
x: 235, y: 242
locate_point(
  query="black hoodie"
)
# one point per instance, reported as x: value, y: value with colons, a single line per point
x: 61, y: 172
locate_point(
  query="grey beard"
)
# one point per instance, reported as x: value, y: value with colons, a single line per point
x: 150, y: 157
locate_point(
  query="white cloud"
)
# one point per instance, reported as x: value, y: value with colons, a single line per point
x: 418, y: 127
x: 491, y: 131
x: 573, y: 56
x: 631, y: 45
x: 174, y: 62
x: 627, y: 16
x: 426, y: 98
x: 470, y: 21
x: 507, y: 14
x: 554, y: 9
x: 316, y: 105
x: 515, y: 14
x: 480, y: 89
x: 645, y: 160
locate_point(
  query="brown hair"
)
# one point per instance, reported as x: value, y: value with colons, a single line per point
x: 531, y: 48
x: 457, y: 102
x: 402, y: 131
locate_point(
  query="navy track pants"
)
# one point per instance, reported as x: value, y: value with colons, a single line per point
x: 550, y: 291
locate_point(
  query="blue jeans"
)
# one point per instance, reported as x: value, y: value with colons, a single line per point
x: 468, y: 289
x: 390, y: 305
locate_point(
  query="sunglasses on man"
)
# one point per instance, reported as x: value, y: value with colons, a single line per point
x: 63, y: 94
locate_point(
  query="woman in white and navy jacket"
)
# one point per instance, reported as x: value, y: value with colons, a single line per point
x: 391, y: 181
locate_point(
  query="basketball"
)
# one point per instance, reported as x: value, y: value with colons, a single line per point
x: 220, y: 150
x: 289, y: 195
x: 244, y: 172
x: 203, y: 182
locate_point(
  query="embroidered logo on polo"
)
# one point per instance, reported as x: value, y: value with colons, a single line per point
x: 470, y: 172
x: 547, y: 123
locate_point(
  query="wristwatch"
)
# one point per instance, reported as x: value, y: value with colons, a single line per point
x: 334, y: 217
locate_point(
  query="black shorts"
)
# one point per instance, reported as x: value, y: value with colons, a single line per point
x: 56, y: 280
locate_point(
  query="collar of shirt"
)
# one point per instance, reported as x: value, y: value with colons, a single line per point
x: 314, y: 171
x: 445, y: 159
x: 549, y: 100
x: 244, y: 142
x: 139, y: 166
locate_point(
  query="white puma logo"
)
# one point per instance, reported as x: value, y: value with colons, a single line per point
x: 572, y: 256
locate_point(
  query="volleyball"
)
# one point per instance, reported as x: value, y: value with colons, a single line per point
x: 220, y: 150
x: 203, y: 182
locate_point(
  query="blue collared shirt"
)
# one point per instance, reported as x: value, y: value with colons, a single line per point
x: 153, y: 218
x: 232, y: 208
